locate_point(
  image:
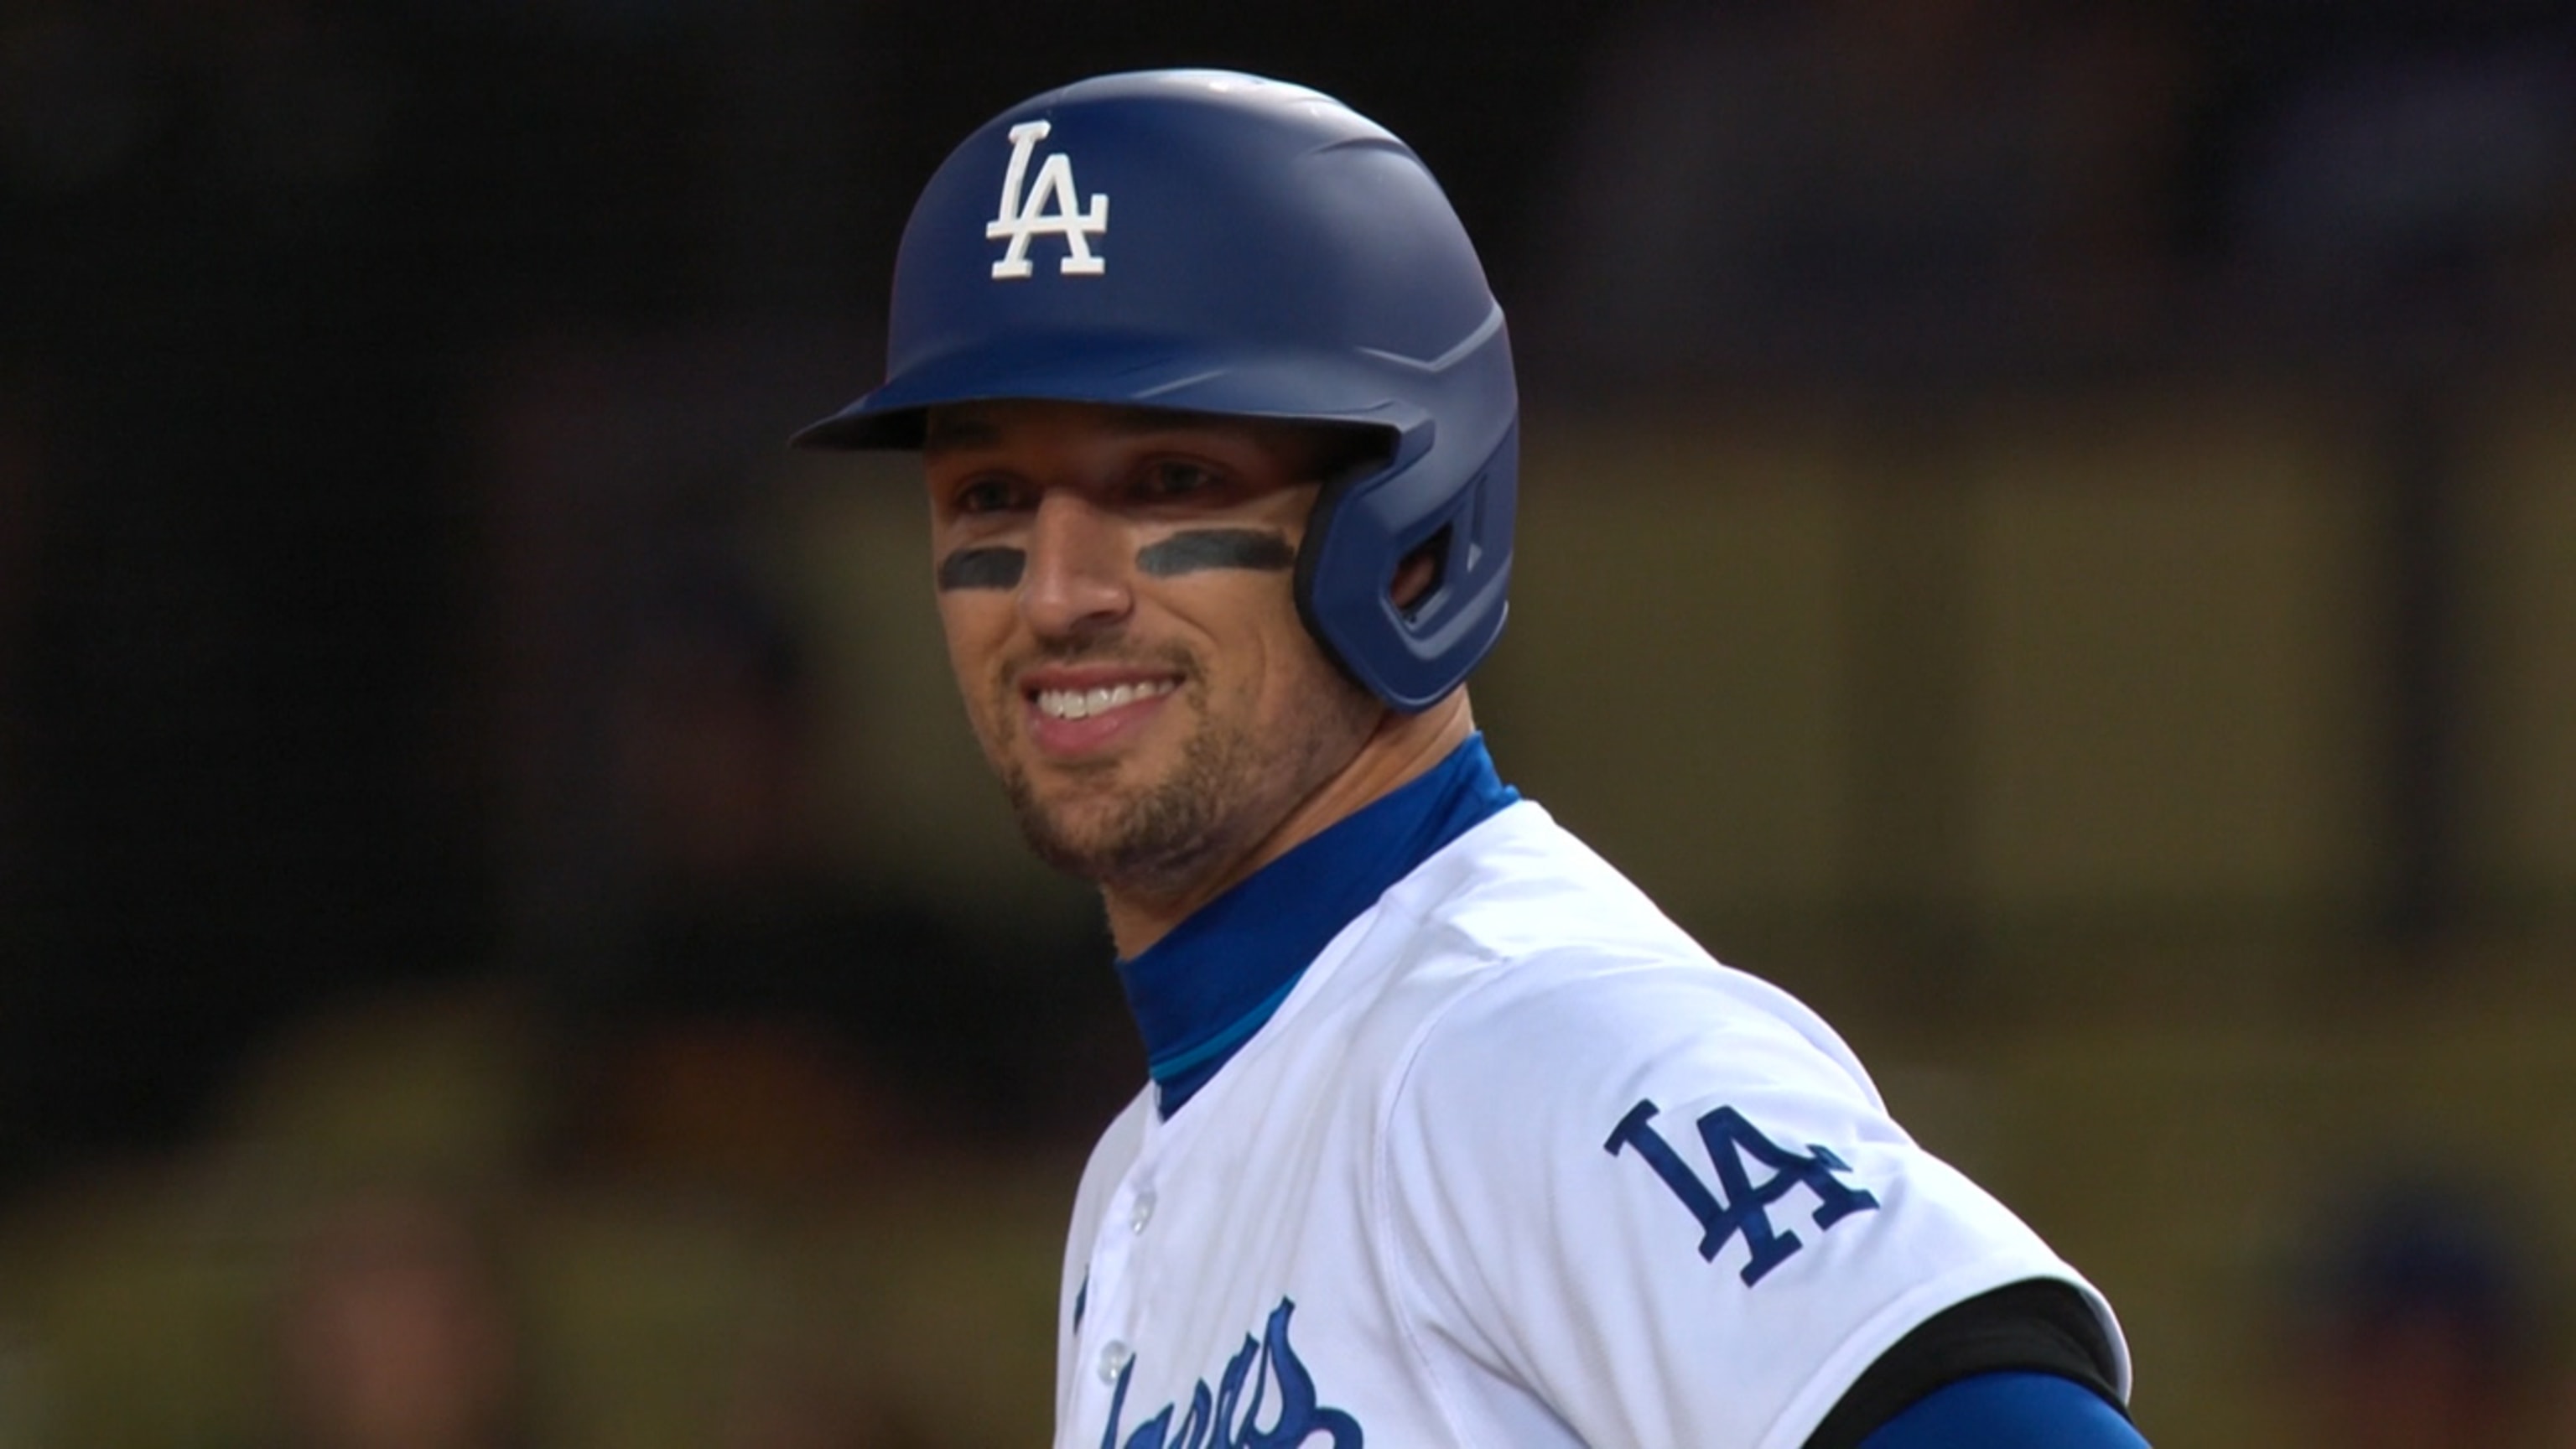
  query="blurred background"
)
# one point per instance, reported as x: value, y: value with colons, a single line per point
x: 2048, y: 530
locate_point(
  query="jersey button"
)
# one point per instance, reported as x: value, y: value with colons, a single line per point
x: 1114, y: 1356
x: 1142, y: 1213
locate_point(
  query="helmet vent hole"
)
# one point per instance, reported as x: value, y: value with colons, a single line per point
x: 1419, y: 576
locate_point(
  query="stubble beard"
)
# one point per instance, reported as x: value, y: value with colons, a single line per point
x: 1226, y: 793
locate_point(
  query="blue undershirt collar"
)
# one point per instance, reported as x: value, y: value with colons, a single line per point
x: 1202, y: 991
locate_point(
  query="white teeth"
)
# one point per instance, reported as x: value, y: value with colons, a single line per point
x: 1084, y: 703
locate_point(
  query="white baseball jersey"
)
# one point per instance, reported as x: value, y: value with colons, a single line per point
x: 1514, y: 1163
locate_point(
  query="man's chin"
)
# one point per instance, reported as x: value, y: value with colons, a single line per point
x: 1075, y: 846
x: 1147, y: 845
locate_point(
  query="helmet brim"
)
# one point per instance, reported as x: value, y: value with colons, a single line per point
x: 1142, y: 372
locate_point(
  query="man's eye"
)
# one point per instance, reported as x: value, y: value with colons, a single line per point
x: 1173, y: 478
x: 984, y: 495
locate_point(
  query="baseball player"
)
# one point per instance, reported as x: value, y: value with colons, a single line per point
x: 1452, y: 1138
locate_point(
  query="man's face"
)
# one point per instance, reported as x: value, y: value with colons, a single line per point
x: 1115, y: 586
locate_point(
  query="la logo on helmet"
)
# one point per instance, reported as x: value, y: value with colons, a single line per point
x: 1054, y: 188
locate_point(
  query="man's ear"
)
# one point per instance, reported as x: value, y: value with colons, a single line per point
x: 1419, y: 574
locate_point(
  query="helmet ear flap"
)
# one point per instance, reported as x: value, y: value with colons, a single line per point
x: 1363, y: 536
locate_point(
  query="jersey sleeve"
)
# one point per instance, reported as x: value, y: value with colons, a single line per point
x: 2010, y: 1411
x: 2038, y: 1327
x: 1650, y: 1202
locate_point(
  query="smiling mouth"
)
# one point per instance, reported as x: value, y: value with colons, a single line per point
x: 1084, y: 703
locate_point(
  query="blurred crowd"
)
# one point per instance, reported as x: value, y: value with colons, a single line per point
x: 2416, y: 1317
x: 433, y: 1012
x: 1914, y: 189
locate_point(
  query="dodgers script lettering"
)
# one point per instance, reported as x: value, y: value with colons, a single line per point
x: 1229, y: 1417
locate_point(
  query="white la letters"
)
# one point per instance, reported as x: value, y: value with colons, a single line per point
x: 1054, y: 186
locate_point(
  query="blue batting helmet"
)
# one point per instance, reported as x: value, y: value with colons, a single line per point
x: 1271, y: 253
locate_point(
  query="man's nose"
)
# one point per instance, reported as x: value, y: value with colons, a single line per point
x: 1079, y: 570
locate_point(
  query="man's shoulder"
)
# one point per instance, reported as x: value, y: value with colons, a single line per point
x: 1536, y: 944
x: 1520, y: 887
x: 1547, y: 1040
x: 1602, y: 1106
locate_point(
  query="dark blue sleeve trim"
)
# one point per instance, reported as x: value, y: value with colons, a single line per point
x: 2008, y: 1411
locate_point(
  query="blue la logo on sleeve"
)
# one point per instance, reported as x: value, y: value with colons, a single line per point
x: 1229, y: 1416
x: 1737, y: 1205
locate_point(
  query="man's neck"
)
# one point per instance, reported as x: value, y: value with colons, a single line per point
x: 1403, y: 747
